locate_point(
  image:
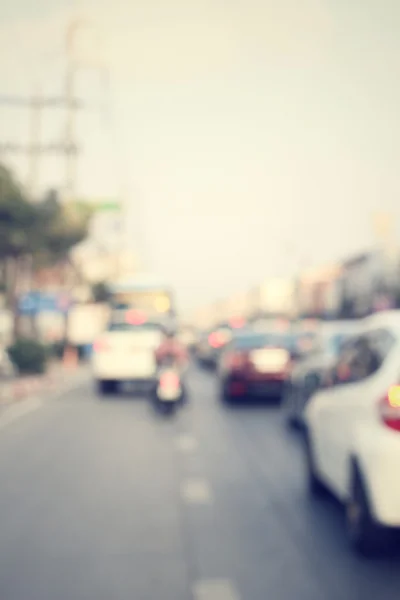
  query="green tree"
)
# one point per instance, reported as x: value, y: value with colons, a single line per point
x: 35, y: 235
x: 59, y: 227
x: 16, y: 218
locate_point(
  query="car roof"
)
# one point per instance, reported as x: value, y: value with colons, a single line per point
x: 338, y: 327
x: 389, y: 319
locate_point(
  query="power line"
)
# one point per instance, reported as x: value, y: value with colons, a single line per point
x: 39, y: 101
x: 34, y: 149
x: 125, y: 168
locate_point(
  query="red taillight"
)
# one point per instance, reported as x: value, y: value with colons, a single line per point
x: 389, y: 408
x: 135, y: 317
x: 169, y: 380
x: 215, y: 340
x: 100, y: 346
x: 237, y: 388
x: 237, y: 323
x: 236, y: 360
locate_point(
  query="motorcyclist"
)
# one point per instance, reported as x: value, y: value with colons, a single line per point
x: 171, y: 350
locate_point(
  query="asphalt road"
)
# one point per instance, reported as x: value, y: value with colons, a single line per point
x: 100, y: 499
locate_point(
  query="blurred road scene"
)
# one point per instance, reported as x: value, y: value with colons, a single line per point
x: 199, y: 300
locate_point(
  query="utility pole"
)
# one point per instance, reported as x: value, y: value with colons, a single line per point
x: 36, y: 104
x: 35, y: 136
x: 70, y: 80
x: 70, y: 166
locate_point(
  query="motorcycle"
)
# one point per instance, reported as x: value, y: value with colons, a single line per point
x: 169, y: 390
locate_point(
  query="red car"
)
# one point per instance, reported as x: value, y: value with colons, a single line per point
x: 256, y: 364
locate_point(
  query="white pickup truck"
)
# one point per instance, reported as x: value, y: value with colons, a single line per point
x: 125, y: 353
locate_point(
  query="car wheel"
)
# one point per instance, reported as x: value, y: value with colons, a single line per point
x: 106, y: 387
x: 365, y: 535
x: 315, y: 486
x: 167, y: 408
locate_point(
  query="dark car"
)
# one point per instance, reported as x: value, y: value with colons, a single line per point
x: 256, y: 364
x: 212, y: 343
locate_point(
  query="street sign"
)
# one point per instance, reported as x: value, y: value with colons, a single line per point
x: 37, y: 302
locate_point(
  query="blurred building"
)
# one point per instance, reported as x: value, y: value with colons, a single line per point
x: 99, y: 265
x: 319, y: 292
x: 275, y: 297
x: 370, y: 282
x: 203, y: 318
x: 236, y: 306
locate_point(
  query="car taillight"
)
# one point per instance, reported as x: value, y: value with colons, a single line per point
x: 100, y: 346
x: 389, y: 408
x: 135, y: 317
x: 215, y: 340
x: 236, y: 360
x: 237, y: 323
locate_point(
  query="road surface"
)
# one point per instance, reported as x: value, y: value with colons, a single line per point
x: 102, y: 500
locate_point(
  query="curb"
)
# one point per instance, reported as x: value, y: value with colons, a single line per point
x: 58, y: 381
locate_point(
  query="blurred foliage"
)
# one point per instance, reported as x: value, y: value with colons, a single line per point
x: 59, y: 227
x: 17, y: 217
x: 28, y: 356
x: 46, y: 230
x: 43, y: 232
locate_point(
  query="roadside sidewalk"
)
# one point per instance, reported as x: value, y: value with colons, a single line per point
x: 57, y: 380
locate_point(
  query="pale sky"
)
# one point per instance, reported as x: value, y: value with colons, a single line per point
x: 249, y: 137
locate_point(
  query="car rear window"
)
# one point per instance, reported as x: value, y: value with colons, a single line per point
x: 143, y: 327
x: 250, y: 342
x: 146, y: 335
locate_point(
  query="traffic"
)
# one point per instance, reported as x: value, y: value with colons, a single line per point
x: 343, y: 393
x: 199, y: 300
x: 335, y: 384
x: 282, y: 427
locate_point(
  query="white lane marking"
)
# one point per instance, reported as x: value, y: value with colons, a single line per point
x: 186, y: 442
x: 196, y: 491
x: 19, y: 410
x: 215, y: 589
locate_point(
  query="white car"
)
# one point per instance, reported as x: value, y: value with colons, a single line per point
x: 353, y: 433
x: 125, y: 353
x: 307, y: 373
